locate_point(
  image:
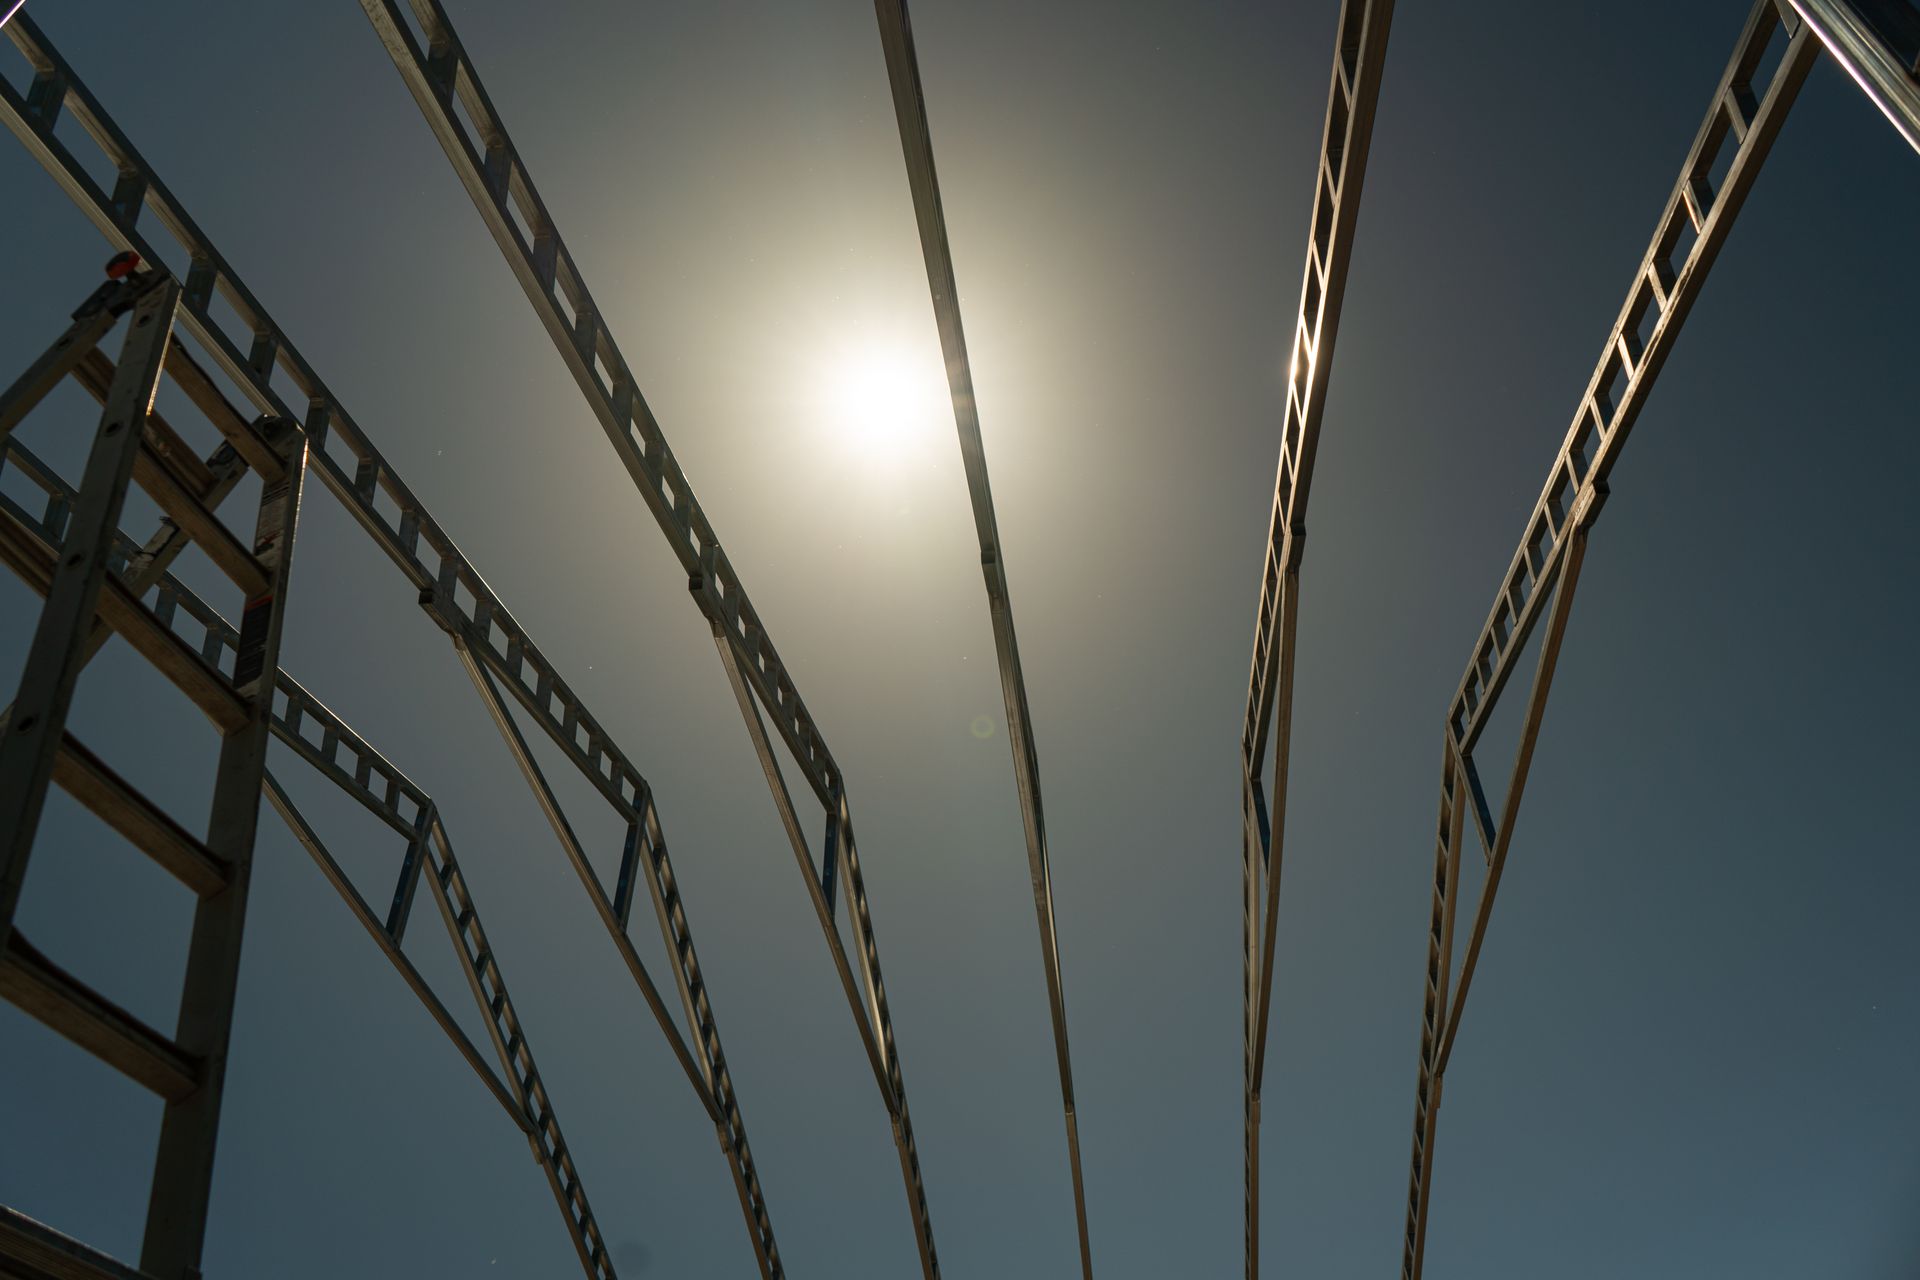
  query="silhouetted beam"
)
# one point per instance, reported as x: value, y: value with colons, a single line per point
x: 1359, y: 58
x: 1748, y: 107
x: 445, y: 84
x: 916, y: 146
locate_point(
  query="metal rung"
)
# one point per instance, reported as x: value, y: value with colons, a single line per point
x: 34, y: 1251
x: 23, y: 549
x: 95, y: 373
x: 81, y: 1014
x: 177, y: 499
x: 86, y: 778
x: 211, y: 401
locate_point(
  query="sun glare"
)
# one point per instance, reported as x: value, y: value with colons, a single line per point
x: 885, y: 401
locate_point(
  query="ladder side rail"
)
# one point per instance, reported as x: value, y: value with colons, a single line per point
x: 58, y: 652
x: 183, y: 1166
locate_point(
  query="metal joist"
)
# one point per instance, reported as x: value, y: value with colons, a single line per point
x: 645, y: 858
x: 523, y: 1096
x: 1747, y: 110
x: 916, y: 146
x: 428, y: 53
x: 1353, y: 95
x: 448, y: 885
x: 389, y: 944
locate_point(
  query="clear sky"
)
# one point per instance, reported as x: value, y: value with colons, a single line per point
x: 1691, y: 1049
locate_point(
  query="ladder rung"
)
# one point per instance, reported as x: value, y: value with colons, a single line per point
x: 120, y: 609
x: 87, y: 779
x: 95, y: 373
x: 178, y: 500
x: 199, y: 388
x: 45, y: 1252
x: 96, y: 1024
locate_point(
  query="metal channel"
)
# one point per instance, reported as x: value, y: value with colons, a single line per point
x: 916, y: 147
x: 1353, y: 95
x: 1748, y: 108
x: 437, y: 70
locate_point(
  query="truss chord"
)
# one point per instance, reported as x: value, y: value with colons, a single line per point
x: 309, y: 839
x: 448, y: 885
x: 426, y: 50
x: 446, y: 86
x: 818, y: 889
x: 1353, y: 95
x: 698, y: 1070
x: 711, y: 1070
x: 916, y: 145
x: 1746, y: 112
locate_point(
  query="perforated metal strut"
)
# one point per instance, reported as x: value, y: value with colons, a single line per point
x: 1360, y: 47
x: 916, y: 146
x: 1744, y: 116
x: 427, y: 51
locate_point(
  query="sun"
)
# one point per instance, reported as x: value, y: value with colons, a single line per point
x: 885, y: 400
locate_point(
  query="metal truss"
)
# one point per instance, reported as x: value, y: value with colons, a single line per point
x: 1878, y: 43
x: 98, y: 583
x: 1359, y: 57
x: 916, y: 146
x: 444, y: 82
x: 298, y: 719
x: 86, y: 596
x: 430, y: 852
x: 452, y: 591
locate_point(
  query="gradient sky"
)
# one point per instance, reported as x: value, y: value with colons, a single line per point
x: 1692, y: 1044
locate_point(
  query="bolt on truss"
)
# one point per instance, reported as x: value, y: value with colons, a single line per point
x: 451, y: 590
x: 437, y: 70
x: 1360, y: 50
x: 1878, y: 43
x: 916, y: 147
x: 85, y: 596
x: 189, y: 491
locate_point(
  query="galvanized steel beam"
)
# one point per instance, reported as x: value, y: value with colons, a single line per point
x: 420, y: 38
x: 1353, y: 95
x: 1746, y: 112
x: 916, y: 146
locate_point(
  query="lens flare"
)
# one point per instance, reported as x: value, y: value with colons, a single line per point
x: 886, y: 401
